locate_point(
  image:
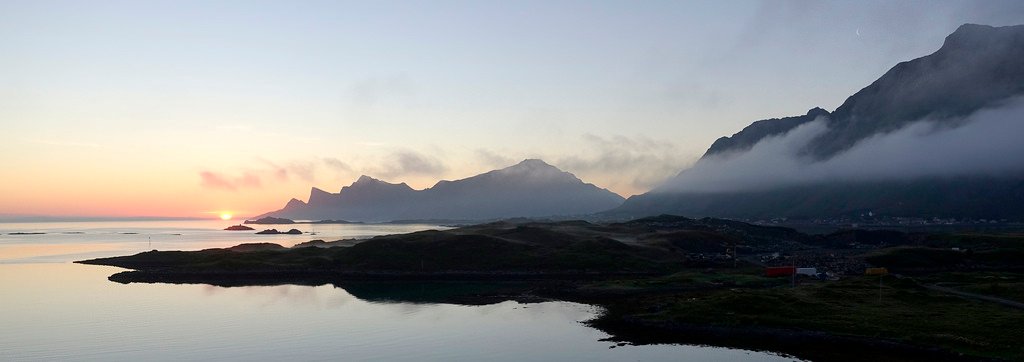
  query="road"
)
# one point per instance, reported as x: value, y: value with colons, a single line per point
x: 987, y: 298
x: 969, y: 295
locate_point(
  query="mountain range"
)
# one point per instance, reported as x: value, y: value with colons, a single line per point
x: 909, y: 144
x: 531, y: 188
x: 978, y: 69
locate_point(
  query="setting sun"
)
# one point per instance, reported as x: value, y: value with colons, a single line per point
x: 225, y: 216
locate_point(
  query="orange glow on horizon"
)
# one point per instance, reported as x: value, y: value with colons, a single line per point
x: 225, y: 216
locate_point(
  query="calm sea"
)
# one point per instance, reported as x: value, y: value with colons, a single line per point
x: 51, y: 309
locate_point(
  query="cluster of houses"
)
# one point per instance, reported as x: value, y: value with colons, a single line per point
x: 786, y: 271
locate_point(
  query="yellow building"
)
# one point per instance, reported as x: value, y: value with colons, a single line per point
x: 876, y: 271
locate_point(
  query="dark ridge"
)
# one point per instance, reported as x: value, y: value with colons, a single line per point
x: 757, y: 131
x: 977, y: 66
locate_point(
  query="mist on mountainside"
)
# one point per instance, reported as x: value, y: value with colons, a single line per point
x: 986, y: 142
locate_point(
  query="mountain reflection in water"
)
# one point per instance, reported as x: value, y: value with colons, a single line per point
x: 71, y: 312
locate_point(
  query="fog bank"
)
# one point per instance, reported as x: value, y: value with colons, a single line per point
x: 987, y: 142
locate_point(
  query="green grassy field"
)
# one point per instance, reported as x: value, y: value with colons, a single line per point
x: 900, y: 310
x: 1006, y: 285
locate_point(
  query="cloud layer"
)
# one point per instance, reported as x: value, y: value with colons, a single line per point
x: 404, y: 163
x: 220, y: 181
x: 987, y: 142
x: 637, y: 163
x: 392, y: 165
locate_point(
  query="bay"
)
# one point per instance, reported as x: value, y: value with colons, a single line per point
x: 54, y: 310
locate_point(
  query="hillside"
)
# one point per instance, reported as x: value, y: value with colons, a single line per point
x: 977, y: 66
x: 651, y: 245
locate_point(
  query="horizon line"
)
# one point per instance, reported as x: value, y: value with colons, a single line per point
x: 7, y: 218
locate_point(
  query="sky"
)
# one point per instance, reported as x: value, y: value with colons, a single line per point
x: 192, y: 108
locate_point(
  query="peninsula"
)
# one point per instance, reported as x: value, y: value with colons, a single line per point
x: 675, y: 279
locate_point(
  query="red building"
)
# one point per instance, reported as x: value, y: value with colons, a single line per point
x: 779, y: 271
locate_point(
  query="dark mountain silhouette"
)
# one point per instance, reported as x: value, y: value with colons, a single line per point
x: 978, y: 67
x: 755, y: 132
x: 531, y: 188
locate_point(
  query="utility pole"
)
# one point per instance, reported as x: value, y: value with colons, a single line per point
x: 735, y: 255
x: 880, y: 287
x: 730, y: 249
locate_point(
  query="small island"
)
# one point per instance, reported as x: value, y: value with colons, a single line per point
x: 275, y: 232
x: 270, y: 221
x: 251, y: 247
x: 238, y: 228
x: 335, y: 222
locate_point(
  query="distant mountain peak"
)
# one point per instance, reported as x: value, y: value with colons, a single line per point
x: 968, y: 32
x: 532, y: 162
x: 532, y: 165
x: 366, y: 179
x: 537, y: 170
x: 982, y: 38
x: 530, y: 188
x: 367, y: 182
x: 971, y: 27
x: 317, y: 195
x: 817, y: 112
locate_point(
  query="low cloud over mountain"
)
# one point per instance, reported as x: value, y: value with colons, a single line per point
x: 986, y: 142
x: 934, y: 136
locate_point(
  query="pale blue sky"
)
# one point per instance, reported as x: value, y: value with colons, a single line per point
x: 621, y: 93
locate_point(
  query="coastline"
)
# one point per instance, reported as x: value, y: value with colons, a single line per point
x: 618, y: 316
x: 668, y: 282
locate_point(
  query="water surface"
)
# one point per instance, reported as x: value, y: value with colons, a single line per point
x: 69, y: 241
x: 55, y: 310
